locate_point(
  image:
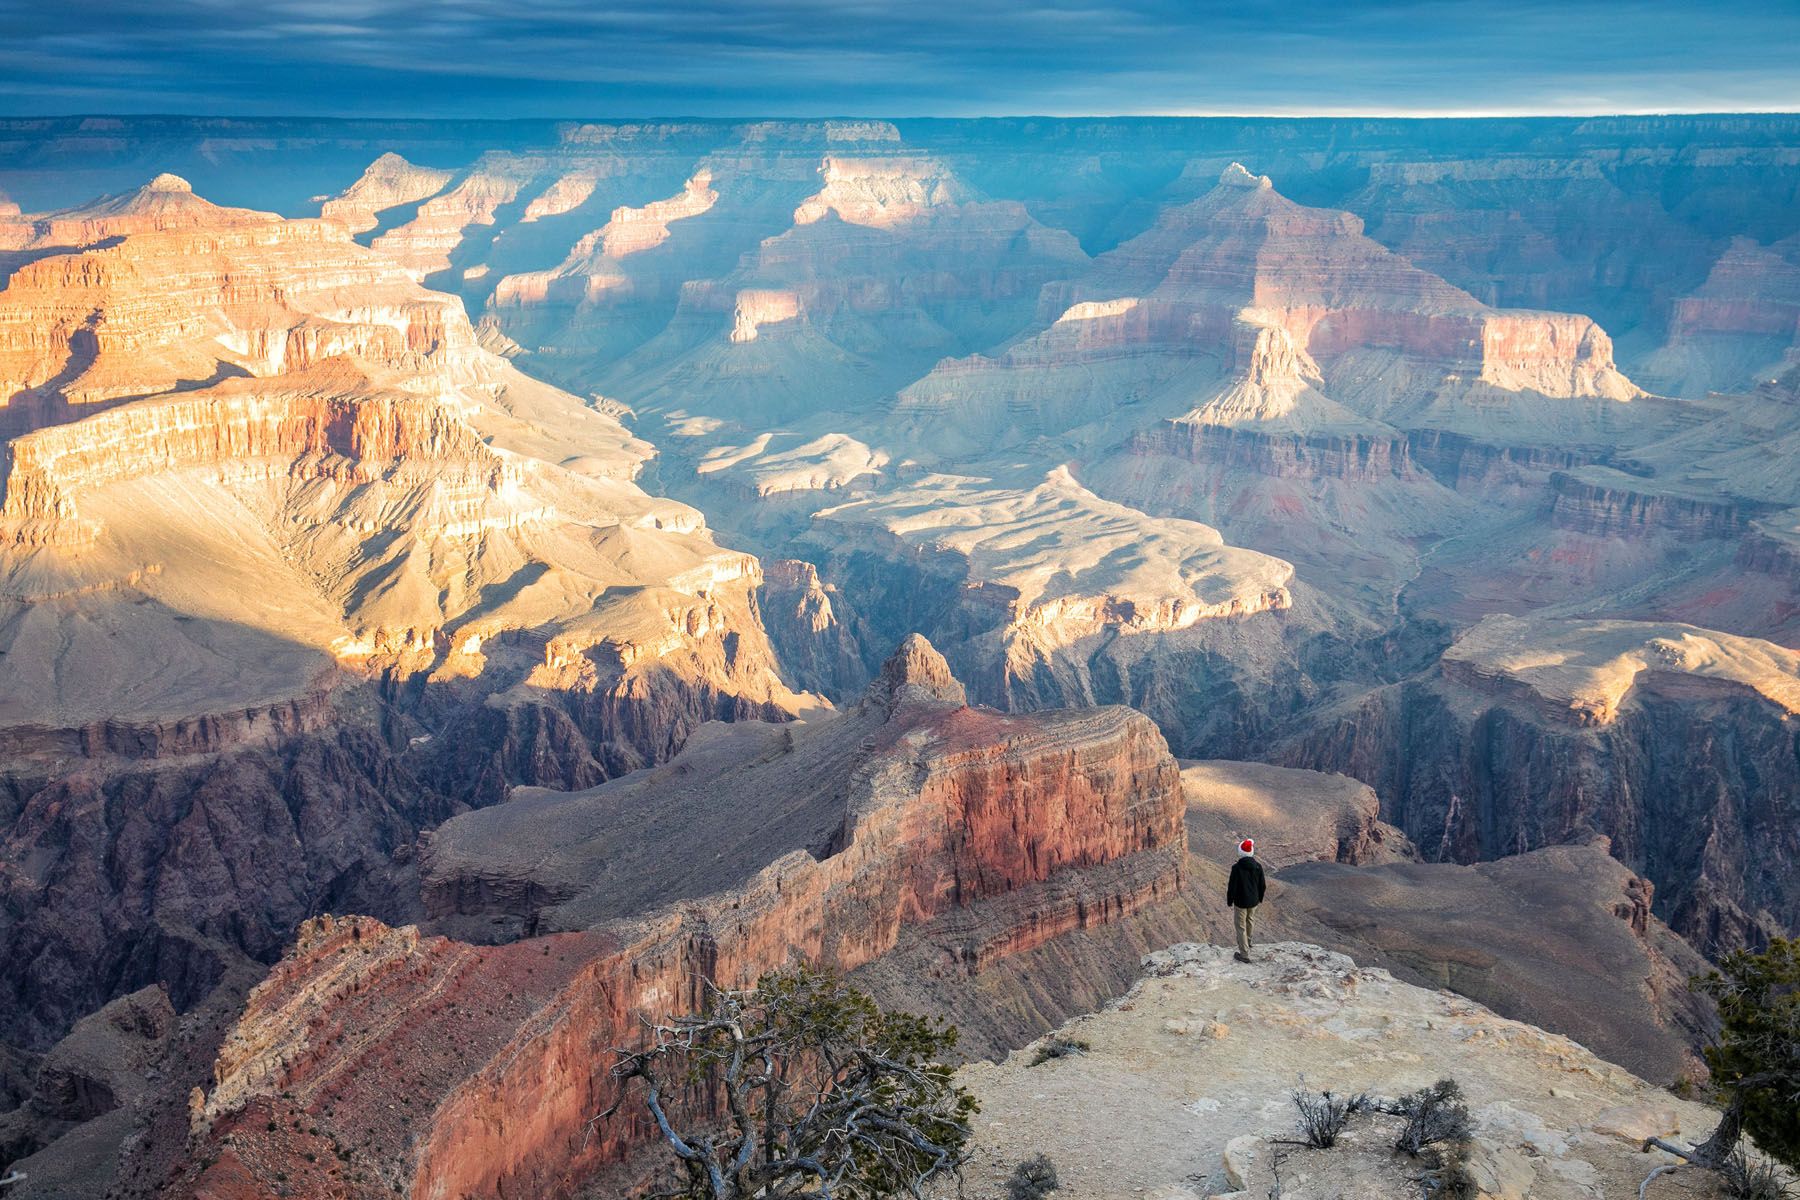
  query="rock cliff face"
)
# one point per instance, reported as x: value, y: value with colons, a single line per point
x: 425, y: 244
x: 589, y: 271
x: 813, y: 629
x: 1312, y: 273
x: 352, y: 438
x: 890, y: 264
x: 1024, y: 575
x: 1607, y: 503
x: 301, y: 558
x: 294, y: 569
x: 158, y: 295
x: 902, y: 811
x: 1736, y: 327
x: 1673, y: 742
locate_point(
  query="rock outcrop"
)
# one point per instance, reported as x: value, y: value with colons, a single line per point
x: 1029, y: 572
x: 812, y: 629
x: 1312, y: 272
x: 388, y: 183
x: 1563, y: 938
x: 589, y: 269
x: 301, y: 560
x: 831, y: 838
x: 1181, y: 1092
x: 426, y: 244
x: 287, y: 541
x: 101, y: 1066
x: 1673, y: 742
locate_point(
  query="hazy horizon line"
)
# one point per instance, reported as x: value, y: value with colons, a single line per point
x: 1346, y: 114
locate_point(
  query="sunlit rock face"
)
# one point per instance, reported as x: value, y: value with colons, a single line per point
x: 158, y: 289
x: 1039, y: 569
x: 272, y: 516
x: 388, y: 183
x: 988, y: 836
x: 589, y: 271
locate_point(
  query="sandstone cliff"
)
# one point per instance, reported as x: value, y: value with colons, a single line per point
x: 160, y: 289
x: 388, y: 182
x: 901, y: 811
x: 326, y: 560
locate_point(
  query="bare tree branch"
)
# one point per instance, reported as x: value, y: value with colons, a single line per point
x: 797, y: 1089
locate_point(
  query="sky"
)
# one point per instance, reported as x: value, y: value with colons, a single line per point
x: 594, y: 58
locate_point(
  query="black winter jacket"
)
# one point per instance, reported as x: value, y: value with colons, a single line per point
x: 1246, y: 887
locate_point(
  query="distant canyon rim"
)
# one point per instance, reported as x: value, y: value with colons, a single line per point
x: 462, y: 581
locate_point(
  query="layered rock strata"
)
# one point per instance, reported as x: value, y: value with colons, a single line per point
x: 288, y: 542
x: 1673, y: 742
x: 833, y: 836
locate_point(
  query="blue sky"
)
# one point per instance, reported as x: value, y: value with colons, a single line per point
x: 586, y: 58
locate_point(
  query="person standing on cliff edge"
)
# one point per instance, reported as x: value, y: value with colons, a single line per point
x: 1244, y: 892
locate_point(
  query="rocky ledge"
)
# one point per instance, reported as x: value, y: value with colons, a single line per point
x: 1183, y: 1090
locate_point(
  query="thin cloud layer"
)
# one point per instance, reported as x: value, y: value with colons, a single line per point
x: 549, y: 58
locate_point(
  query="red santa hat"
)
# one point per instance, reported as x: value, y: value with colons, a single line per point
x: 1248, y: 846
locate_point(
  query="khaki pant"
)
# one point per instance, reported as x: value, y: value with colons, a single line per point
x: 1246, y: 917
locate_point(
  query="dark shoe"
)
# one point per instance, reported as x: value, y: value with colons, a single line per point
x: 1241, y: 956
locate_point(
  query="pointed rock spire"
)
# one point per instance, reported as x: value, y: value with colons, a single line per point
x: 915, y: 674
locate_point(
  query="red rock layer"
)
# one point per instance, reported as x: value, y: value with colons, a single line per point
x: 162, y: 289
x: 1356, y: 457
x: 449, y: 1070
x: 1609, y: 511
x: 1468, y: 465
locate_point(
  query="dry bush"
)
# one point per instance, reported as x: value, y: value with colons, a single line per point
x: 1058, y: 1047
x: 1747, y: 1178
x: 1323, y: 1115
x: 1032, y: 1179
x: 1434, y: 1115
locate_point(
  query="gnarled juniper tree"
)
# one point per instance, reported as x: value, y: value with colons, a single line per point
x: 801, y: 1087
x: 1756, y: 1061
